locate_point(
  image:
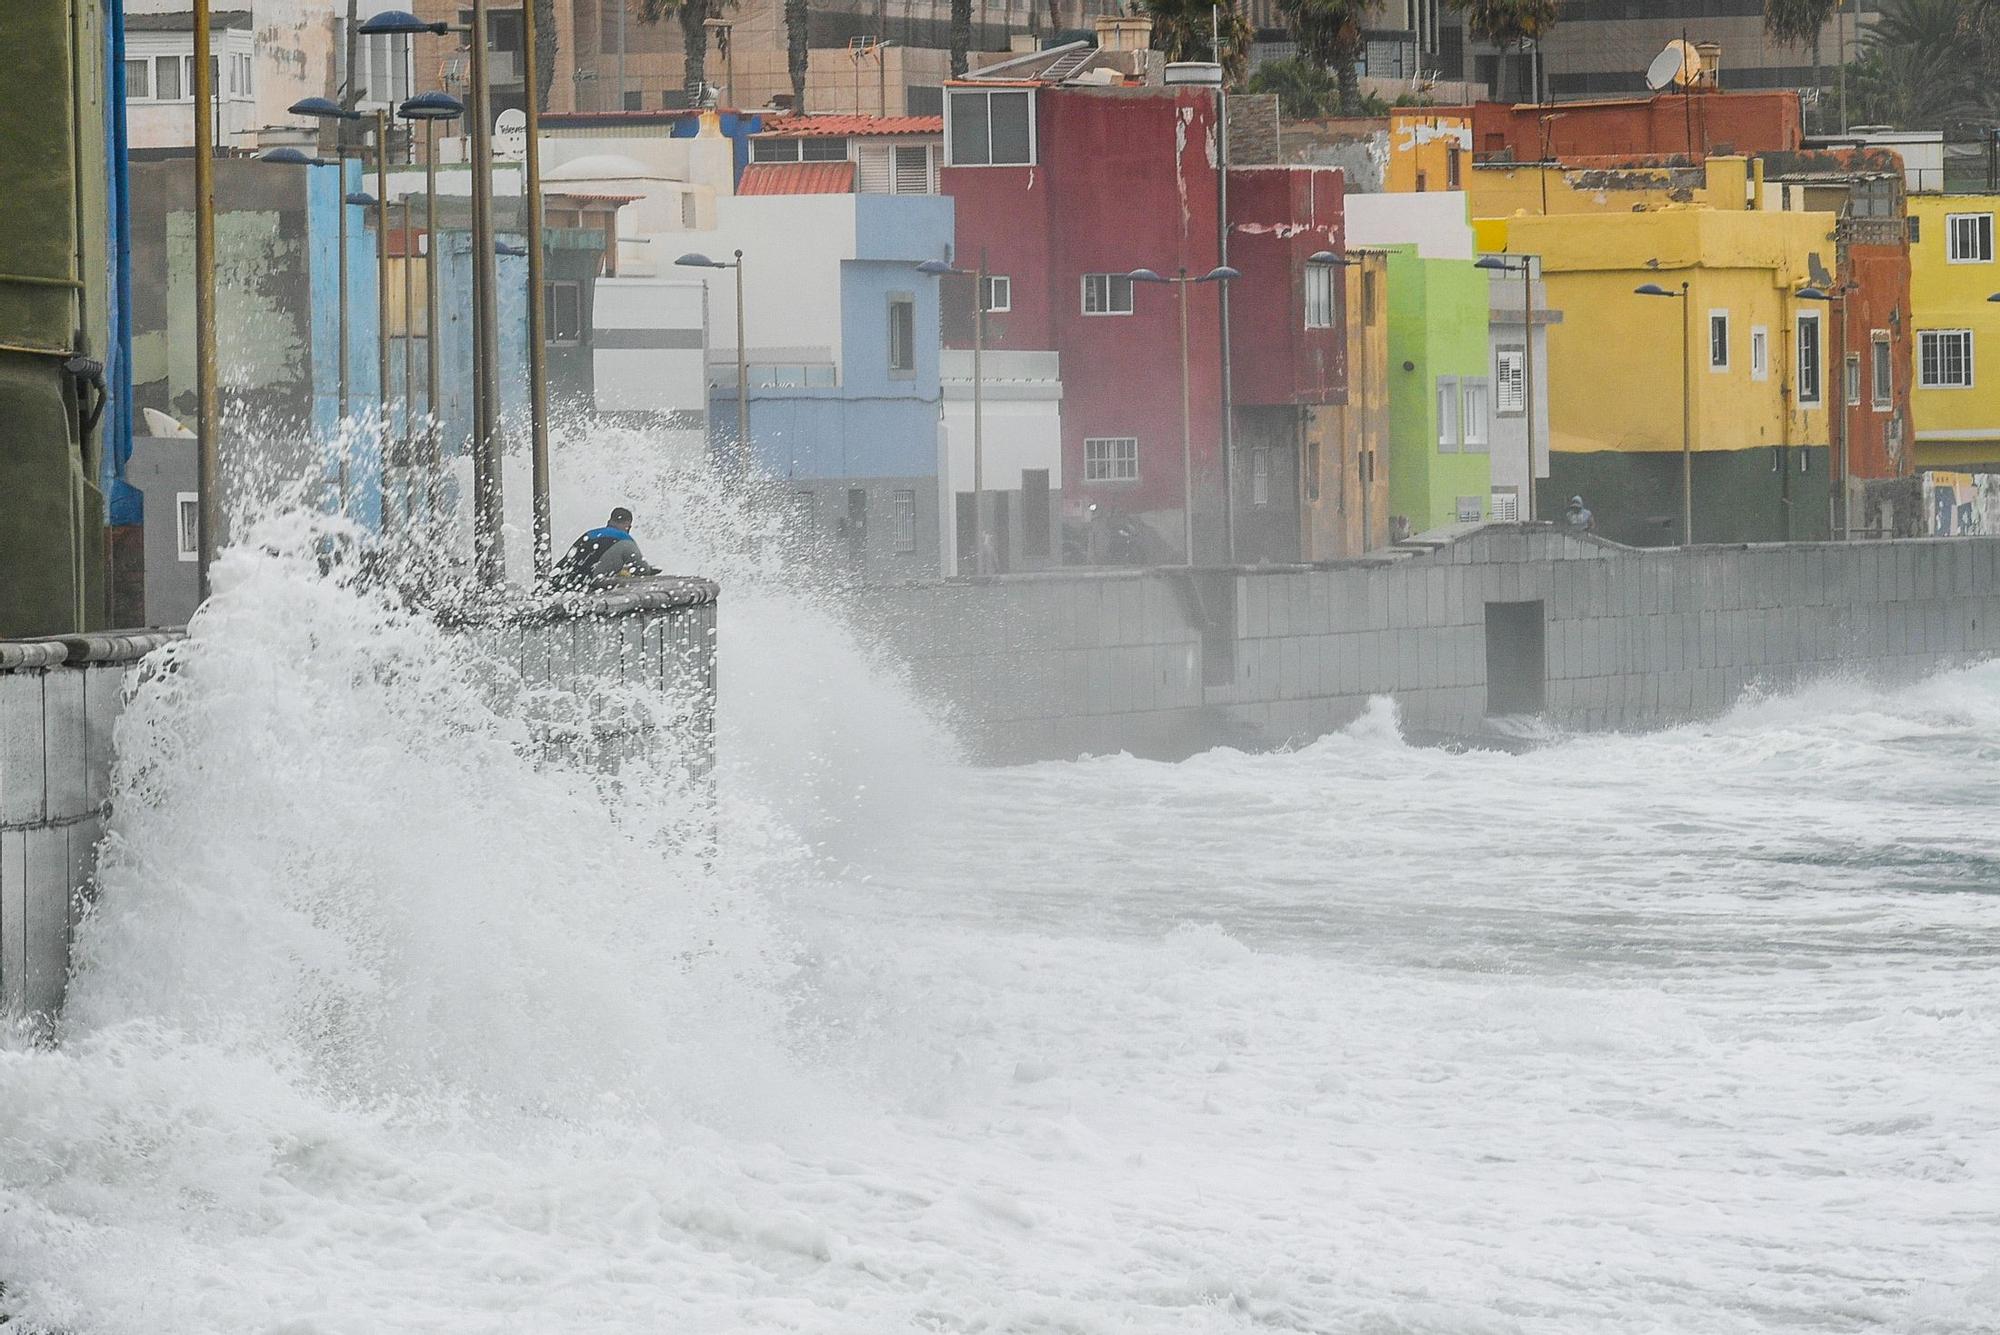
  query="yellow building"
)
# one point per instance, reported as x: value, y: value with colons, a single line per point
x: 1505, y: 189
x: 1429, y: 149
x: 1758, y: 368
x: 1955, y: 402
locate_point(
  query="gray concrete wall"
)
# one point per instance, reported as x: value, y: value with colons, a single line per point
x: 1167, y: 662
x: 58, y: 702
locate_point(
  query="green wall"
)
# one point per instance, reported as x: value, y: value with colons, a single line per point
x: 1437, y: 327
x: 1754, y: 495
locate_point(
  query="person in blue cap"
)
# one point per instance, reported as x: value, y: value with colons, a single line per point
x: 602, y: 554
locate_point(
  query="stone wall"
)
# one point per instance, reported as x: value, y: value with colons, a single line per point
x: 1167, y: 662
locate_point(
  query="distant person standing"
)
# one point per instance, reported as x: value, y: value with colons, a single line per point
x: 1578, y: 516
x: 603, y: 553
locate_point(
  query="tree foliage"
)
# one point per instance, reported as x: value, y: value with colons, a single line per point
x: 1181, y: 31
x: 1798, y: 21
x: 1329, y: 35
x: 1305, y: 90
x: 692, y: 15
x: 545, y: 51
x: 1928, y: 65
x: 961, y: 37
x: 1509, y: 23
x: 798, y: 22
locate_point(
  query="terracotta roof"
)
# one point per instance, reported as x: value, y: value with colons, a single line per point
x: 794, y: 127
x: 797, y: 178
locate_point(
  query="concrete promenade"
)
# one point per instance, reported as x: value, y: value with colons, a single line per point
x: 1497, y: 621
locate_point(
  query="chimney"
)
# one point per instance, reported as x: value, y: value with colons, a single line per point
x: 1711, y: 64
x: 1124, y: 32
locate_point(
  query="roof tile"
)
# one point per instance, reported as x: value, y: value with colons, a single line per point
x: 797, y: 178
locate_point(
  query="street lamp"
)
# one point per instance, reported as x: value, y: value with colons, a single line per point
x: 1364, y: 470
x: 1182, y: 280
x: 488, y: 540
x: 431, y: 108
x: 941, y: 269
x: 1526, y: 268
x: 1837, y: 298
x: 1687, y: 427
x: 696, y: 260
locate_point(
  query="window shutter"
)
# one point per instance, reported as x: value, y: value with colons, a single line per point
x: 913, y: 170
x: 1513, y: 378
x: 874, y: 172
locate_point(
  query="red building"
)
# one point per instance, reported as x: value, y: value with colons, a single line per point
x: 1063, y: 189
x: 1694, y: 125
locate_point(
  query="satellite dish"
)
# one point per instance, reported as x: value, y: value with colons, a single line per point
x: 511, y: 121
x: 1678, y: 64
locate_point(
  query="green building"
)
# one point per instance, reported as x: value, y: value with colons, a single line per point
x: 1440, y: 390
x: 58, y: 370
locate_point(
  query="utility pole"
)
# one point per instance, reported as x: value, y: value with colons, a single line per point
x: 538, y: 380
x: 208, y: 407
x: 488, y: 546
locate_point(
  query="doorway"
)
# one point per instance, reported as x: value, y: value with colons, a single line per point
x: 1516, y: 659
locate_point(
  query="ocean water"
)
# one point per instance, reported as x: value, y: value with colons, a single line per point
x: 378, y: 1028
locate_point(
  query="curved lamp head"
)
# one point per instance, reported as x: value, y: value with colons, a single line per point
x: 505, y: 248
x: 1813, y: 294
x: 1328, y: 257
x: 1653, y: 290
x: 291, y: 156
x: 323, y: 107
x: 1221, y: 273
x: 694, y: 259
x: 1495, y: 264
x: 399, y: 23
x: 361, y: 198
x: 431, y: 106
x: 1145, y: 276
x: 936, y: 268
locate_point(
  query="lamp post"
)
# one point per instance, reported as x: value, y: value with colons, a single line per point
x: 208, y: 414
x: 696, y: 260
x: 1687, y: 426
x: 939, y: 269
x: 382, y: 306
x: 430, y: 108
x: 538, y: 379
x: 1526, y: 268
x: 1222, y: 273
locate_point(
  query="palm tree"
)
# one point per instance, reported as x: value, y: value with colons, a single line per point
x: 1508, y: 23
x: 1329, y: 35
x: 693, y: 16
x: 1305, y: 90
x: 1925, y: 64
x: 1799, y: 22
x: 797, y: 20
x: 545, y: 51
x: 1181, y: 31
x: 961, y: 37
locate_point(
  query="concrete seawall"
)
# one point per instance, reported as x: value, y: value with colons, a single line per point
x: 602, y: 678
x: 1500, y: 620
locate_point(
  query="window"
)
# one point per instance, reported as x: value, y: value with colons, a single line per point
x: 1107, y: 294
x: 249, y: 65
x: 805, y: 514
x: 1476, y: 407
x: 1851, y: 371
x: 1510, y: 373
x: 1111, y: 459
x: 1319, y: 296
x: 1367, y: 296
x: 774, y: 150
x: 993, y: 129
x: 1916, y: 232
x: 1468, y: 510
x: 902, y: 335
x: 690, y: 219
x: 1760, y: 352
x: 1811, y: 391
x: 564, y: 313
x: 913, y: 169
x: 822, y: 150
x: 1447, y: 405
x: 1718, y: 340
x: 138, y: 80
x: 167, y: 78
x: 1423, y: 182
x: 1945, y: 358
x: 793, y: 149
x: 1452, y: 168
x: 903, y: 521
x: 1969, y: 238
x: 1884, y: 389
x: 1260, y: 476
x: 187, y: 528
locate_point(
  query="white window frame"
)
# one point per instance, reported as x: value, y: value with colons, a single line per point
x: 896, y: 370
x: 1881, y: 354
x: 999, y: 293
x: 1510, y: 381
x: 902, y: 520
x: 1923, y: 377
x: 1982, y: 235
x: 145, y: 63
x: 1112, y: 455
x: 1111, y: 280
x: 951, y: 97
x: 1818, y: 396
x: 1475, y: 416
x: 1448, y: 431
x: 1260, y: 476
x: 1319, y: 299
x: 1850, y: 370
x: 1760, y: 352
x: 1718, y: 315
x: 187, y: 524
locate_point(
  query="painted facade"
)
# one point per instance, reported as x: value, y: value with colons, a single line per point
x: 1759, y: 376
x: 1346, y: 509
x: 1955, y: 331
x: 1439, y: 473
x: 1429, y: 148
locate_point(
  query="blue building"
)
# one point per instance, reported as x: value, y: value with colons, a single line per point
x: 842, y: 347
